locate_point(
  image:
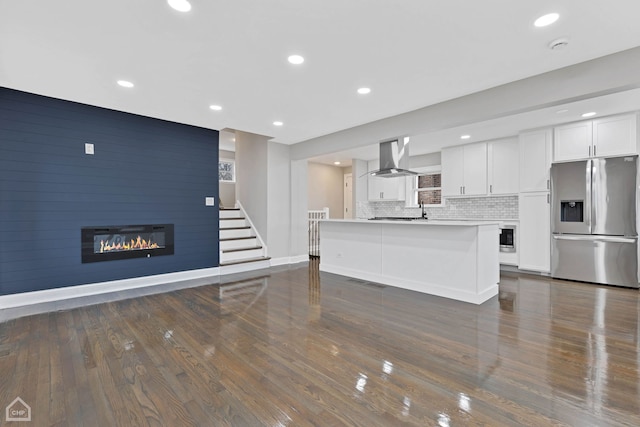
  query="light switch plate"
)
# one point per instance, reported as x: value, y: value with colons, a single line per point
x: 88, y: 148
x: 210, y: 201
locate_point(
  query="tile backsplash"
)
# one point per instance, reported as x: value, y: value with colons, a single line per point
x: 504, y: 207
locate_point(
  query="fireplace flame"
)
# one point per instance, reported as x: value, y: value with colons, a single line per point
x: 132, y: 245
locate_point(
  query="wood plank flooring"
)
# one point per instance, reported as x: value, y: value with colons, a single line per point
x: 296, y: 347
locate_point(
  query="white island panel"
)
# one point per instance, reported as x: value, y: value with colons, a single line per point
x: 457, y: 260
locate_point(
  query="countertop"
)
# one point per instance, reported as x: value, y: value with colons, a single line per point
x: 432, y: 222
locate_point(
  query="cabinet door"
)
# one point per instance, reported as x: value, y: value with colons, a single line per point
x: 384, y: 188
x: 503, y: 168
x: 534, y: 232
x: 535, y: 160
x: 572, y: 141
x: 475, y: 170
x: 452, y: 171
x: 393, y: 188
x: 614, y: 136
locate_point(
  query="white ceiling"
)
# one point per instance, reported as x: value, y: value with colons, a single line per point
x: 412, y: 53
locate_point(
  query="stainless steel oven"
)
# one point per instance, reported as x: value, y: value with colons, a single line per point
x: 507, y: 238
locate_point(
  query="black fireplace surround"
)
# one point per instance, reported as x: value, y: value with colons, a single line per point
x: 114, y: 242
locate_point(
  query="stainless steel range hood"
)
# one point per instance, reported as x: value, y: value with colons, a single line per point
x: 394, y: 159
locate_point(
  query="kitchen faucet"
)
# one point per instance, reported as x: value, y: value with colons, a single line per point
x: 424, y: 213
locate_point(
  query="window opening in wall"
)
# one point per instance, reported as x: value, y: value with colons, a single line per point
x: 427, y: 188
x: 226, y: 170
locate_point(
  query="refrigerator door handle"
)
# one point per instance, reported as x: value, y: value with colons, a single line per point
x: 589, y: 217
x: 612, y: 239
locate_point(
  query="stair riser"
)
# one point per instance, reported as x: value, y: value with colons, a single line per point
x: 228, y: 234
x: 237, y: 244
x: 230, y: 214
x: 233, y: 223
x: 235, y: 256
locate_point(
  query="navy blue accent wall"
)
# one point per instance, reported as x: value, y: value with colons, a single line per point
x: 144, y: 171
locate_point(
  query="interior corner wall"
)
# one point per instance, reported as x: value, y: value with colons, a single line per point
x: 325, y: 188
x: 251, y: 178
x: 227, y: 189
x: 360, y: 183
x: 279, y: 200
x: 144, y: 171
x: 299, y: 203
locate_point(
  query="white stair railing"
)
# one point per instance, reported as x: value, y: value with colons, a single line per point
x: 314, y: 217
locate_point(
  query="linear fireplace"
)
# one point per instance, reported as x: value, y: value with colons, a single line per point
x: 115, y: 242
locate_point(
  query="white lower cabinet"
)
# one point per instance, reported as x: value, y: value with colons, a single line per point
x: 535, y: 232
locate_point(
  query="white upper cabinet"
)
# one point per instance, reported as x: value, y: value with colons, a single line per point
x: 452, y: 160
x: 615, y: 136
x: 464, y: 170
x: 609, y: 136
x: 573, y: 141
x: 384, y: 188
x: 503, y: 159
x: 535, y: 160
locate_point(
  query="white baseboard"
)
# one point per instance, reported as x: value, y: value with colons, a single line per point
x: 242, y: 267
x: 412, y: 285
x: 49, y: 295
x: 69, y: 292
x: 289, y: 260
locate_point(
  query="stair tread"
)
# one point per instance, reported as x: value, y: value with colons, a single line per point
x: 235, y: 228
x: 232, y: 218
x: 250, y: 248
x: 230, y: 239
x: 243, y: 261
x: 229, y: 209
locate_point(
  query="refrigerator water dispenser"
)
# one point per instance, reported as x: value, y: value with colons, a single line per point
x: 572, y: 210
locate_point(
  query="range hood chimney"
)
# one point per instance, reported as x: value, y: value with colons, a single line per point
x: 394, y: 159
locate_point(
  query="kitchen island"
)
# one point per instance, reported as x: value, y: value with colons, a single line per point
x: 451, y: 259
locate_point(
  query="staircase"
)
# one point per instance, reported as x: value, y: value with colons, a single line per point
x: 240, y: 247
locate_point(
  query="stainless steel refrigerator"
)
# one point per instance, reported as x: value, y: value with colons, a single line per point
x: 593, y: 221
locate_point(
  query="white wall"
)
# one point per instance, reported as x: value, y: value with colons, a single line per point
x: 299, y: 202
x: 325, y: 188
x: 359, y: 169
x: 227, y: 190
x: 279, y: 200
x: 252, y: 178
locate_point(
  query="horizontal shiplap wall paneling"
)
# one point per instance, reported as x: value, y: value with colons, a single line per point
x: 144, y: 171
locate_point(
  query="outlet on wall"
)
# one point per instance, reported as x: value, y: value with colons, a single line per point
x: 88, y: 148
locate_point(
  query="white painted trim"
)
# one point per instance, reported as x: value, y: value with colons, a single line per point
x: 69, y: 292
x: 48, y: 295
x: 253, y: 227
x: 245, y: 266
x: 422, y: 287
x: 289, y: 260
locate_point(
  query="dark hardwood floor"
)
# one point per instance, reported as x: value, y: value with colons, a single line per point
x: 300, y: 348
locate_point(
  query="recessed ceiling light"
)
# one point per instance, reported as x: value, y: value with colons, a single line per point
x: 364, y: 90
x: 547, y: 19
x: 295, y: 59
x: 180, y: 5
x: 589, y: 114
x: 125, y: 83
x: 465, y: 137
x: 278, y: 123
x: 561, y: 111
x: 336, y: 163
x: 215, y: 107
